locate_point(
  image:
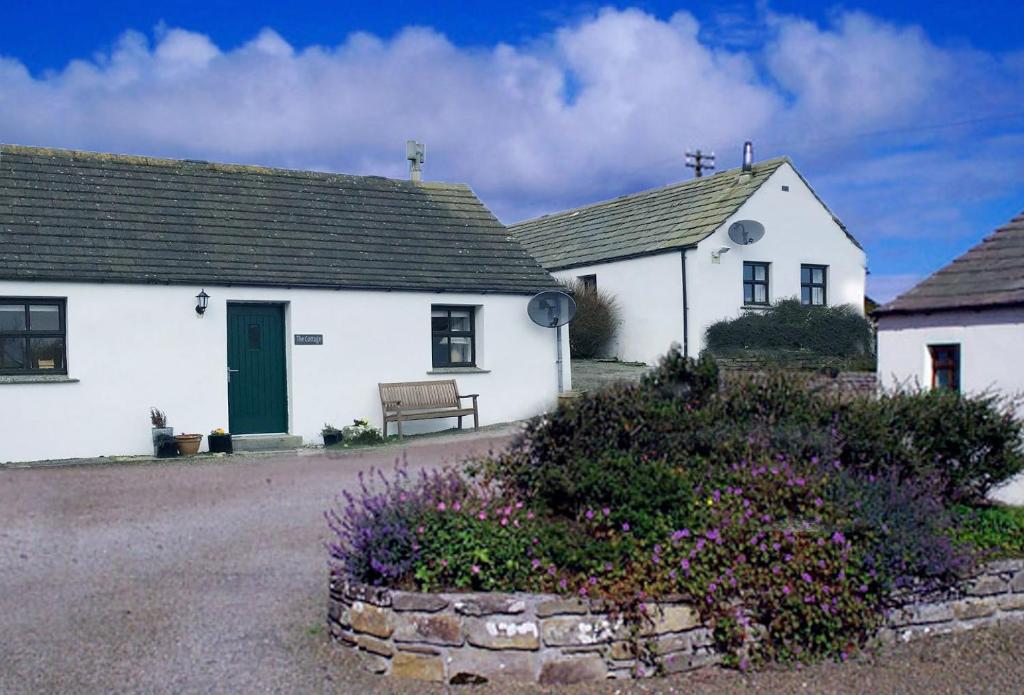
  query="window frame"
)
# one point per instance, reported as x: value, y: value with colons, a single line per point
x: 953, y: 366
x: 754, y: 283
x: 28, y: 332
x: 811, y: 284
x: 471, y: 334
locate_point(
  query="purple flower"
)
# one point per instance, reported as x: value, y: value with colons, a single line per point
x: 475, y: 569
x: 563, y: 583
x: 684, y: 563
x: 838, y: 537
x: 441, y: 506
x: 535, y: 563
x: 806, y: 577
x: 606, y: 511
x: 625, y: 526
x: 786, y: 590
x: 589, y: 514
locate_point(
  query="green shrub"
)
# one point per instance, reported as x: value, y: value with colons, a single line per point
x: 837, y: 331
x: 993, y: 531
x: 597, y: 319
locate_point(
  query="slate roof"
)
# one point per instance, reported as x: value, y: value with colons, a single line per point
x: 989, y: 275
x: 662, y: 219
x: 79, y: 216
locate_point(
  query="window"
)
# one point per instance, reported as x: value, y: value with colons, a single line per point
x: 32, y: 336
x: 755, y: 283
x: 453, y: 336
x: 945, y: 366
x: 588, y: 282
x: 813, y: 282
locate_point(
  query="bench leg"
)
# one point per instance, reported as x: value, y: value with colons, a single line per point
x: 460, y: 422
x: 399, y: 422
x: 476, y: 421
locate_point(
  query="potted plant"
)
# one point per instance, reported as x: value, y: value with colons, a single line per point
x: 188, y: 444
x: 162, y: 434
x: 219, y: 441
x: 361, y: 432
x: 331, y: 434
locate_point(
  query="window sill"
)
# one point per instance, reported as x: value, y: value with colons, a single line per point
x: 459, y: 370
x: 36, y: 379
x: 756, y: 307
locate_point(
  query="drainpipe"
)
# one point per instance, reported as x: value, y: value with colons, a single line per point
x: 686, y: 307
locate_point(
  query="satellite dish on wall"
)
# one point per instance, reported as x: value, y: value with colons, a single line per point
x: 745, y: 232
x: 551, y: 309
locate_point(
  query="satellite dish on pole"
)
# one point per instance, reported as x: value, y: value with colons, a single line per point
x: 745, y: 232
x: 553, y: 309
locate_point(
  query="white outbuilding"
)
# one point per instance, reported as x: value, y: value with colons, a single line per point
x: 264, y: 301
x: 962, y: 327
x: 679, y: 258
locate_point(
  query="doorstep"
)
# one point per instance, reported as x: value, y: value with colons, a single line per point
x: 265, y: 442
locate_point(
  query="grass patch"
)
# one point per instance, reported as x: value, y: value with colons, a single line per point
x: 995, y: 531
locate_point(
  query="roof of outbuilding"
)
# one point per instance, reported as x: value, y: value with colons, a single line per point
x: 82, y: 216
x: 662, y: 219
x: 989, y: 275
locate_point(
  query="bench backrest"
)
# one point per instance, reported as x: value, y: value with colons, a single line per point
x: 421, y: 394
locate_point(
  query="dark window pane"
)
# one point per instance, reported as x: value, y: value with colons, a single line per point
x: 438, y: 320
x: 254, y: 336
x: 440, y: 351
x: 12, y: 353
x: 12, y: 317
x: 748, y: 272
x: 748, y: 294
x: 44, y: 317
x: 805, y: 275
x: 46, y: 353
x: 805, y: 295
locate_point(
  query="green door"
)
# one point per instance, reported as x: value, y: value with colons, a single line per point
x: 257, y: 386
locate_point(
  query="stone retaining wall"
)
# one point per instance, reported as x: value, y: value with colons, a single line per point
x: 473, y: 638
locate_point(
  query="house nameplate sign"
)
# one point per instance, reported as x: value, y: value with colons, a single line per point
x: 309, y: 339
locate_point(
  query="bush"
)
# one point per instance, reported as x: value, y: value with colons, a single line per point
x: 835, y: 331
x: 597, y: 319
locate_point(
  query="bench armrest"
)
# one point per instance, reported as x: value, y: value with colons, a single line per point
x: 470, y: 395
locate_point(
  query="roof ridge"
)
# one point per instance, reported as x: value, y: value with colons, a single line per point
x: 690, y: 183
x: 228, y: 167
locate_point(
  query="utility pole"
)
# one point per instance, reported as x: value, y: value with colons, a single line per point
x: 698, y: 161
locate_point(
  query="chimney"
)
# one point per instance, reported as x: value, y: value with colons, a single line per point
x: 748, y: 155
x: 416, y: 153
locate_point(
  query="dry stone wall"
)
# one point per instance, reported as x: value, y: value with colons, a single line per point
x: 539, y: 638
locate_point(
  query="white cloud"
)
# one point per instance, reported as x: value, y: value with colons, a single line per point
x: 604, y: 105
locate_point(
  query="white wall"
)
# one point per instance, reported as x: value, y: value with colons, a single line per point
x: 132, y: 346
x: 798, y: 230
x: 990, y: 344
x: 649, y: 291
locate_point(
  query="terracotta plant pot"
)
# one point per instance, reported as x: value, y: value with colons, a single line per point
x: 188, y: 444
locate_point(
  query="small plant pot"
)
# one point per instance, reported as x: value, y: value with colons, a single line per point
x: 167, y: 449
x: 188, y: 444
x: 332, y: 438
x: 161, y: 433
x: 219, y: 443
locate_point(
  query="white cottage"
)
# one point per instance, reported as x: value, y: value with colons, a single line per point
x: 962, y: 327
x: 667, y: 256
x: 319, y: 286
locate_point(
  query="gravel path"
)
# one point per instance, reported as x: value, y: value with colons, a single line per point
x: 211, y: 577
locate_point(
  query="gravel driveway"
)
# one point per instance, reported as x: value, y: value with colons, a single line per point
x: 211, y: 577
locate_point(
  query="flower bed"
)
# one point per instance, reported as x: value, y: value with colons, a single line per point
x: 786, y: 519
x: 549, y: 639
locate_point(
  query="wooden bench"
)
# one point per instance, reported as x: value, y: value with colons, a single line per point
x: 423, y: 400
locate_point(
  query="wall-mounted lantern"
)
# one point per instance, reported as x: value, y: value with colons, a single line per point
x: 202, y: 301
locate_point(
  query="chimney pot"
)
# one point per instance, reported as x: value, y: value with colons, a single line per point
x: 748, y: 155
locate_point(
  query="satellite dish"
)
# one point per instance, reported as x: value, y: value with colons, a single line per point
x: 745, y: 232
x: 551, y: 309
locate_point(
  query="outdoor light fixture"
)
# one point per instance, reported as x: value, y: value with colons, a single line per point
x: 202, y: 301
x: 715, y: 255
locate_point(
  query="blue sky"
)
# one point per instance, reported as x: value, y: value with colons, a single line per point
x: 908, y: 118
